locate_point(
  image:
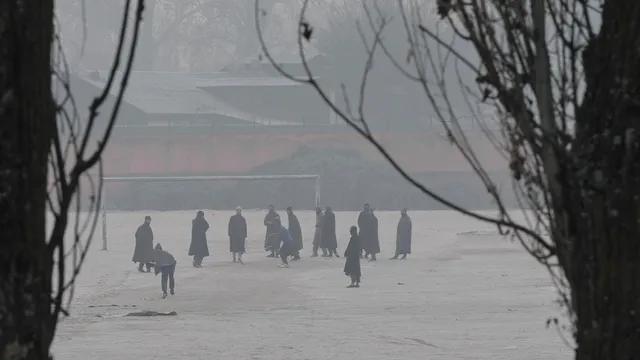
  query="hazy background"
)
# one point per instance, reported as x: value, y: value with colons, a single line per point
x: 203, y: 101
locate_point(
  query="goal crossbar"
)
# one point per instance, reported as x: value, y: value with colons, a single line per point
x: 208, y: 178
x: 106, y: 179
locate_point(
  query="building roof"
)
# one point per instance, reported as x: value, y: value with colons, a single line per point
x: 183, y: 93
x: 246, y: 82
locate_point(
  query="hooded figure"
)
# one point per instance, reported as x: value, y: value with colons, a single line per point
x: 237, y: 234
x: 352, y: 254
x: 199, y: 248
x: 271, y: 238
x: 366, y: 223
x: 143, y: 252
x: 317, y: 237
x: 403, y: 236
x: 329, y: 238
x: 373, y: 247
x: 296, y: 233
x: 165, y: 264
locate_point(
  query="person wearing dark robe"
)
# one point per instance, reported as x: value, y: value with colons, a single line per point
x: 199, y: 248
x: 287, y: 247
x: 352, y: 254
x: 365, y: 224
x: 165, y: 263
x: 271, y: 238
x: 329, y: 238
x: 403, y: 236
x: 237, y: 235
x: 296, y: 233
x: 373, y: 247
x: 317, y: 236
x: 143, y: 252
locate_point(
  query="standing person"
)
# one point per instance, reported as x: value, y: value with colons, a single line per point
x: 365, y: 223
x: 271, y: 236
x: 199, y: 248
x: 403, y: 236
x: 296, y: 233
x: 329, y: 238
x: 374, y: 244
x: 165, y: 264
x: 143, y: 252
x: 317, y: 237
x: 287, y: 244
x: 352, y: 254
x: 237, y: 235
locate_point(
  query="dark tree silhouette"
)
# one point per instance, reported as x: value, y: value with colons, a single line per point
x: 46, y: 152
x: 563, y: 83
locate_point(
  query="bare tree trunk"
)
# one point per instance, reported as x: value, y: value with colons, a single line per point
x: 604, y: 256
x: 27, y: 121
x: 605, y: 287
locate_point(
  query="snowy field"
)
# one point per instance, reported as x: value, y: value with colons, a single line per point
x: 460, y: 295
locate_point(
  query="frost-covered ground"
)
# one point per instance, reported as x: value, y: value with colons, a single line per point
x: 459, y: 295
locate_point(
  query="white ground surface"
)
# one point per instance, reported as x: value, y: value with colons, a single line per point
x: 458, y: 296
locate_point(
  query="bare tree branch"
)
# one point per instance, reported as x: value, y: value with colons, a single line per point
x: 305, y: 28
x: 70, y: 162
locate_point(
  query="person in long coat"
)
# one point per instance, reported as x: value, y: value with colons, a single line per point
x: 272, y: 237
x: 199, y: 248
x: 317, y: 236
x: 296, y: 233
x: 143, y: 252
x: 403, y: 236
x: 237, y: 235
x: 365, y: 224
x: 329, y: 238
x: 373, y: 247
x: 352, y: 254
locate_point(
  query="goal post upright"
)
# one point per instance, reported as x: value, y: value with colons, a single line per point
x: 108, y: 179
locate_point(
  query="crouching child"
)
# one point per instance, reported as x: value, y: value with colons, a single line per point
x: 288, y: 246
x: 165, y: 263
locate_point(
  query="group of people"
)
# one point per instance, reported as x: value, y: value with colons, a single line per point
x: 146, y: 255
x: 280, y: 242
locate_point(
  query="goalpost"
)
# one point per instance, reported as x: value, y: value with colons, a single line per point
x: 196, y: 178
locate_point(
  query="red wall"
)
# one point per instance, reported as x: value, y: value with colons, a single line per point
x: 238, y: 153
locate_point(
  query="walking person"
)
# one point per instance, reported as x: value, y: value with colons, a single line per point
x: 352, y: 254
x: 366, y: 225
x: 329, y: 238
x: 317, y: 237
x: 165, y: 263
x: 296, y: 233
x: 198, y: 247
x: 271, y: 238
x: 237, y: 235
x: 403, y: 236
x: 373, y: 247
x: 143, y: 252
x: 287, y: 244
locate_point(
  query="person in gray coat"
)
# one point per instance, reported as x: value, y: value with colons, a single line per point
x: 143, y: 252
x: 165, y: 263
x: 317, y: 237
x: 403, y: 236
x: 329, y: 238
